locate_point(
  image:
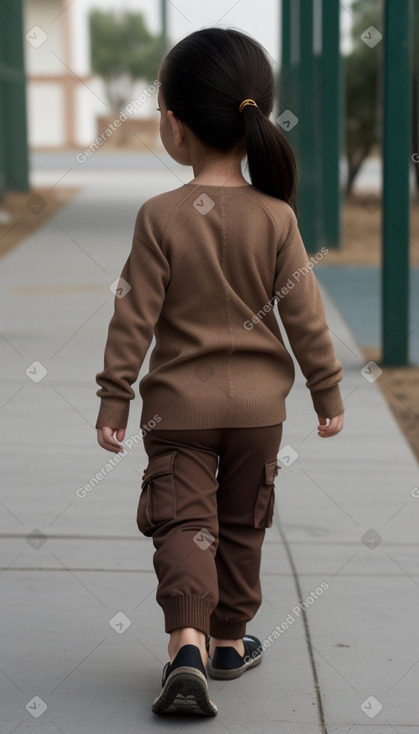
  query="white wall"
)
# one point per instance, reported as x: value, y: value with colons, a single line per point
x: 80, y: 38
x: 46, y: 14
x: 46, y: 123
x: 87, y: 107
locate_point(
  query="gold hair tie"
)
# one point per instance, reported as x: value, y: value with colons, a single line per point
x: 245, y: 102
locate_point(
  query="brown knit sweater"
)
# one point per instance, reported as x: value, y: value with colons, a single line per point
x: 208, y: 265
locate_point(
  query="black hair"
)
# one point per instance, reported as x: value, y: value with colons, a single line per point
x: 205, y: 77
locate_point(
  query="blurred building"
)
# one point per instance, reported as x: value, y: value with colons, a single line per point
x: 64, y: 98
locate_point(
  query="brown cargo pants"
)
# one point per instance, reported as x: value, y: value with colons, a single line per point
x: 207, y: 497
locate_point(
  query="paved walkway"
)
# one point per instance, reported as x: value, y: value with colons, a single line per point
x: 83, y: 645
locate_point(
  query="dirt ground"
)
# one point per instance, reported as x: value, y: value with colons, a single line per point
x: 361, y: 232
x: 22, y: 212
x: 400, y: 387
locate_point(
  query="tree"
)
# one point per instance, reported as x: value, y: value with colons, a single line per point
x: 362, y: 88
x: 122, y: 51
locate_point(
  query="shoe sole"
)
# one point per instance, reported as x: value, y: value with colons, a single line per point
x: 185, y: 692
x: 230, y: 673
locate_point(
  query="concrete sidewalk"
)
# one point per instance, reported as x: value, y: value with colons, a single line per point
x: 83, y: 645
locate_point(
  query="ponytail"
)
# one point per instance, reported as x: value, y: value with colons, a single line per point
x: 204, y: 79
x: 271, y: 161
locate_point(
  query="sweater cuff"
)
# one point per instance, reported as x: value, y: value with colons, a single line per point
x: 328, y: 403
x: 113, y: 412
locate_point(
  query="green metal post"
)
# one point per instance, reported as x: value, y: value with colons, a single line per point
x: 396, y: 164
x: 3, y: 142
x: 288, y: 94
x: 285, y: 53
x: 163, y: 15
x: 306, y: 140
x: 331, y: 129
x: 318, y: 152
x: 14, y: 123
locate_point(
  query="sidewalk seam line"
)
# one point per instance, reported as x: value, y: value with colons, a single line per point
x: 316, y: 684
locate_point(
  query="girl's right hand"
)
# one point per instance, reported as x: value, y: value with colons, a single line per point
x: 106, y: 439
x: 335, y: 426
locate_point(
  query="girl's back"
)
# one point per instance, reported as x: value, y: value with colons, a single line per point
x: 222, y: 256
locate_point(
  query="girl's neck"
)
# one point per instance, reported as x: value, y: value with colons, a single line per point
x: 219, y: 180
x: 217, y: 168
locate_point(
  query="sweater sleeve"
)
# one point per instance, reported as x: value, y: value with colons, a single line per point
x: 137, y: 307
x: 302, y: 313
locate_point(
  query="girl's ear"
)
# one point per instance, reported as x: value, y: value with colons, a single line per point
x: 177, y: 129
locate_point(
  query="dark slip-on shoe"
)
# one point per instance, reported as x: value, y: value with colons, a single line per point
x: 226, y: 662
x: 184, y: 686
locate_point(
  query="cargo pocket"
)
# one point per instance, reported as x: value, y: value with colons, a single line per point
x: 157, y: 503
x: 264, y: 505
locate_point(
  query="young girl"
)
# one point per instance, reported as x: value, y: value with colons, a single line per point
x: 209, y: 260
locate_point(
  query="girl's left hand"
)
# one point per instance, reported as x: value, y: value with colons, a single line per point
x: 106, y: 439
x: 335, y: 426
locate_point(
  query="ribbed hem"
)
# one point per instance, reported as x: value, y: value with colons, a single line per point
x: 189, y: 412
x: 227, y: 630
x: 187, y: 611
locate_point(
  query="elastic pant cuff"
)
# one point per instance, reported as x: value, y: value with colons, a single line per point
x: 227, y: 630
x: 187, y: 611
